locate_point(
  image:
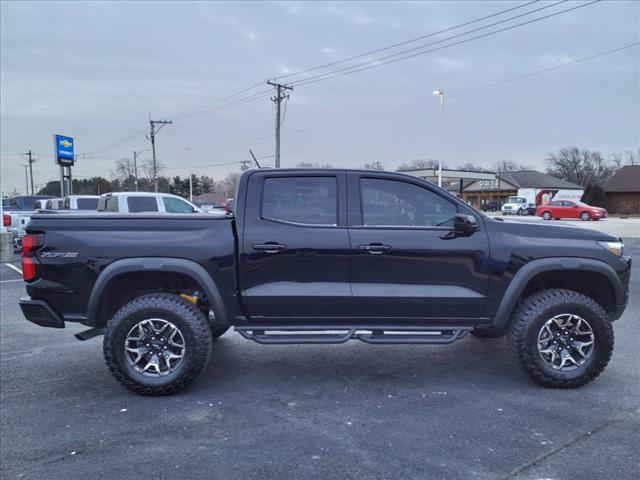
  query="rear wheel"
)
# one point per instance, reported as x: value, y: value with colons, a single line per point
x: 546, y: 215
x: 562, y: 338
x: 585, y: 217
x: 157, y: 344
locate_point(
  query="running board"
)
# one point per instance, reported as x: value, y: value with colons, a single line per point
x: 379, y: 334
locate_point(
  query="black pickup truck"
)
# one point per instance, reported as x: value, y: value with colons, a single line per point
x: 325, y: 256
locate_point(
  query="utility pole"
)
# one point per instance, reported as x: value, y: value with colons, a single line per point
x: 135, y: 166
x: 245, y: 165
x: 190, y: 176
x: 26, y: 179
x: 440, y: 93
x: 31, y: 162
x: 277, y: 99
x: 152, y: 138
x: 135, y: 169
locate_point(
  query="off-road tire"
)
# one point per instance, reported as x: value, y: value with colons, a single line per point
x: 529, y: 318
x: 189, y: 319
x: 488, y: 333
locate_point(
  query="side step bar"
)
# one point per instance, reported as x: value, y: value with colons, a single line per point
x: 379, y: 334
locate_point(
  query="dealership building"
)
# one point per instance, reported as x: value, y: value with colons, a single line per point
x: 483, y: 188
x: 537, y: 187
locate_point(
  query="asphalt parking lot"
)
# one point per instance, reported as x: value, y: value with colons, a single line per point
x: 351, y: 411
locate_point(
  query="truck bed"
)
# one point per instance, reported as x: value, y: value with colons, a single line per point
x: 88, y: 243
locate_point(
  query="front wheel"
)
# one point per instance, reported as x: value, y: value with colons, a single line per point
x: 157, y: 344
x: 585, y: 217
x: 562, y: 338
x: 546, y: 216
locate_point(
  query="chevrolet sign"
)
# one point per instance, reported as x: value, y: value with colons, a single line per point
x: 64, y: 150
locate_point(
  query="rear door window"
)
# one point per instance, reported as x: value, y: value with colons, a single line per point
x: 302, y: 200
x: 142, y: 204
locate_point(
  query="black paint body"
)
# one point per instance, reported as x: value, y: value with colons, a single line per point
x: 274, y: 272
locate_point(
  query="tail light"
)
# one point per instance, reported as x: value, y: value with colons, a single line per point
x: 6, y: 220
x: 30, y: 244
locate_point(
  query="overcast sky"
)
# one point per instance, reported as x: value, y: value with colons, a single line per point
x: 97, y: 70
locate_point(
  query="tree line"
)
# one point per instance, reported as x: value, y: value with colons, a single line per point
x: 588, y: 168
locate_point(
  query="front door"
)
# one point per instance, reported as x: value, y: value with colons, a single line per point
x: 406, y: 263
x: 295, y: 254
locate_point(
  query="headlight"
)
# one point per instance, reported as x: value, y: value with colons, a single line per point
x: 617, y: 248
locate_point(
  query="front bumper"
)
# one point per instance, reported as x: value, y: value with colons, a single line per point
x: 40, y: 313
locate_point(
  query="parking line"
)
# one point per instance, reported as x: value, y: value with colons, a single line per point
x: 10, y: 281
x: 14, y: 268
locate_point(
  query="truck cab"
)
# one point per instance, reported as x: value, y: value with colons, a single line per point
x: 515, y: 206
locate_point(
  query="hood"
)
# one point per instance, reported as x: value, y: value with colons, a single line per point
x: 534, y: 230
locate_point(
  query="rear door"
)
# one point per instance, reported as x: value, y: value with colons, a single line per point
x: 406, y: 263
x: 295, y: 251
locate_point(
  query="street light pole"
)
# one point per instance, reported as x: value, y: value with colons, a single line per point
x: 135, y: 166
x: 190, y: 176
x: 440, y: 93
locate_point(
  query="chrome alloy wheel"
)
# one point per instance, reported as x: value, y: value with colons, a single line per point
x: 154, y: 347
x: 565, y: 342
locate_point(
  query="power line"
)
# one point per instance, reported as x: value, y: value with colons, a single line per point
x: 356, y: 68
x: 528, y: 75
x: 406, y: 42
x: 378, y: 62
x: 200, y: 109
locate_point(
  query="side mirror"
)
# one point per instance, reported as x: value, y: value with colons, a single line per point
x: 465, y: 224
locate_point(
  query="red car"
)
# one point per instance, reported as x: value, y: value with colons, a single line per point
x: 567, y: 209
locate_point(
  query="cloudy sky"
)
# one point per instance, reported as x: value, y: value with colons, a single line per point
x: 97, y: 70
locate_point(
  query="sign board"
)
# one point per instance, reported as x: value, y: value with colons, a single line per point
x: 63, y: 147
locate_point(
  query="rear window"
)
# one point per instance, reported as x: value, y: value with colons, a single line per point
x: 142, y: 204
x: 87, y: 204
x: 304, y: 200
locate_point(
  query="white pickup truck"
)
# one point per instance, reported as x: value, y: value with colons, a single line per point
x: 141, y: 202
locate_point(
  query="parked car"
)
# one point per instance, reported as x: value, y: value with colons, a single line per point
x: 208, y: 207
x: 567, y: 209
x: 325, y: 256
x: 54, y: 204
x: 143, y: 202
x: 491, y: 207
x: 515, y: 206
x: 19, y: 210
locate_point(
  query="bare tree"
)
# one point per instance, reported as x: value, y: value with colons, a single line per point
x: 147, y: 169
x: 312, y: 165
x: 418, y: 164
x: 629, y: 157
x: 228, y: 185
x: 579, y: 165
x: 509, y: 166
x: 470, y: 167
x: 123, y: 173
x: 374, y: 166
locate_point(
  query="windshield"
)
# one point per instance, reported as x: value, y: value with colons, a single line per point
x: 516, y: 200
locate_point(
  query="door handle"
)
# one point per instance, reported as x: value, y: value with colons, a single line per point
x: 375, y: 248
x: 269, y: 247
